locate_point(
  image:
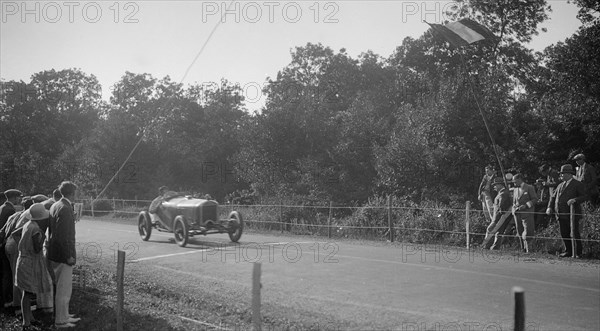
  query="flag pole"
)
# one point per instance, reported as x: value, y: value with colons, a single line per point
x: 457, y: 41
x: 469, y: 79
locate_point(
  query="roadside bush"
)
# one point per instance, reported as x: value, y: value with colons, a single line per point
x: 101, y: 207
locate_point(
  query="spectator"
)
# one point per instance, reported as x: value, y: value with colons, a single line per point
x: 13, y: 198
x: 550, y: 178
x: 543, y: 192
x: 31, y: 275
x: 10, y: 239
x: 569, y: 192
x: 586, y: 174
x: 502, y: 214
x: 61, y: 252
x: 45, y: 300
x: 55, y: 197
x: 524, y: 199
x: 486, y: 196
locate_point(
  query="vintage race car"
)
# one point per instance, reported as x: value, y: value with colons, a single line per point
x: 185, y: 217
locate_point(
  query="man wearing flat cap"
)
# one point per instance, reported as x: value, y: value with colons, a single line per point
x: 586, y: 174
x: 569, y: 192
x: 524, y: 199
x: 13, y: 197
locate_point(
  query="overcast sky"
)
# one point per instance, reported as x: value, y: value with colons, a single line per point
x: 107, y: 38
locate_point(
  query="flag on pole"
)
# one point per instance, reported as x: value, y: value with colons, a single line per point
x: 463, y: 32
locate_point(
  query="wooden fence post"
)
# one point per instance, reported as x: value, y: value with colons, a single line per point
x: 281, y: 215
x: 468, y: 223
x: 329, y: 219
x: 92, y: 205
x: 519, y: 307
x: 390, y: 221
x: 120, y: 291
x: 256, y: 285
x: 573, y: 243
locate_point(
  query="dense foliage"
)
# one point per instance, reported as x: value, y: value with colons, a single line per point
x: 333, y: 128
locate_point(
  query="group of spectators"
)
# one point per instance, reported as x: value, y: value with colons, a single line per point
x: 527, y: 207
x: 37, y: 254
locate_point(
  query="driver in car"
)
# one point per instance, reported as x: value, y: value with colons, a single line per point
x: 163, y: 194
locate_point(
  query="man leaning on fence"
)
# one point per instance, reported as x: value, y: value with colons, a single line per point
x: 501, y: 217
x: 569, y: 192
x: 61, y: 252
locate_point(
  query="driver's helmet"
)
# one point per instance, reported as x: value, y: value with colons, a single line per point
x: 162, y: 190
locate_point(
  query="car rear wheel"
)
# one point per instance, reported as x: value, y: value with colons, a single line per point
x: 180, y: 229
x: 236, y: 222
x: 144, y: 226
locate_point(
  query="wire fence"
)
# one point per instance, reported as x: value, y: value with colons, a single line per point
x: 425, y: 224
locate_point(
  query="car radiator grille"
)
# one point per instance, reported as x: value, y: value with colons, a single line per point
x: 209, y: 213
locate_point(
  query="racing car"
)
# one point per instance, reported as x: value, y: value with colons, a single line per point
x: 186, y: 216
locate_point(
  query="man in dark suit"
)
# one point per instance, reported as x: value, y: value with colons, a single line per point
x: 541, y: 219
x: 569, y: 192
x: 61, y: 252
x: 586, y: 174
x: 13, y: 198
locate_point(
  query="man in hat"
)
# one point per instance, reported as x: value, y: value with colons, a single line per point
x: 586, y: 174
x: 524, y: 199
x: 486, y: 195
x: 502, y: 213
x: 568, y: 193
x: 13, y: 198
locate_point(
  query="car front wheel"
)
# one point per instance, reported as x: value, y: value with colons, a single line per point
x: 236, y: 222
x: 180, y: 229
x: 144, y: 226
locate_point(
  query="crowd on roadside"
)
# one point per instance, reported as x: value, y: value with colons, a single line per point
x: 510, y: 203
x: 37, y: 255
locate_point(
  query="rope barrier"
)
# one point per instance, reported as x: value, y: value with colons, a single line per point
x: 327, y: 207
x: 349, y: 227
x: 342, y: 227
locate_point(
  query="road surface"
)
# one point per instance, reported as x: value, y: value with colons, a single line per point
x: 368, y: 284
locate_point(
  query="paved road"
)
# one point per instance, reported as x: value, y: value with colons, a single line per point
x: 404, y: 287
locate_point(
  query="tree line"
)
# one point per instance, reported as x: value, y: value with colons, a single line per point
x: 334, y: 127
